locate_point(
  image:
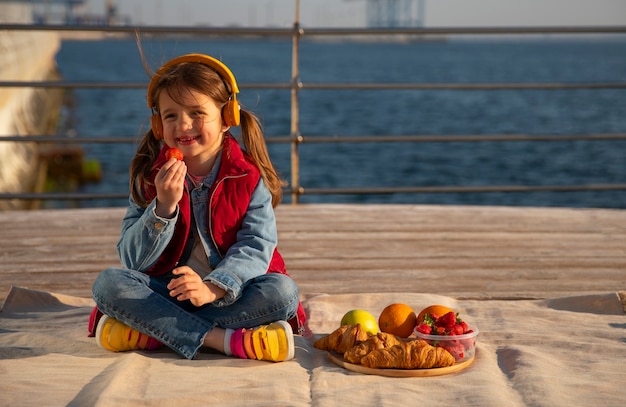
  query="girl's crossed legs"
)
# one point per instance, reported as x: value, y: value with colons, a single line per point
x: 143, y: 303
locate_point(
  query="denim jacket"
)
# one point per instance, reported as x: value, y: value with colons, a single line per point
x: 145, y: 236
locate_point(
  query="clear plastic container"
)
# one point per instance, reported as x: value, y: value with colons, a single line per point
x: 462, y: 347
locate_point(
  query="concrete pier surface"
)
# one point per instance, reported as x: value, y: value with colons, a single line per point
x: 467, y: 252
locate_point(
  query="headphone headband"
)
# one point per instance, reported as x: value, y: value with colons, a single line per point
x: 230, y: 112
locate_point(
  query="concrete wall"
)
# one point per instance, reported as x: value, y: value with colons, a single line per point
x: 26, y: 56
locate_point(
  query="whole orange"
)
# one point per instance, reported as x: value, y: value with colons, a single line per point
x: 397, y: 319
x: 437, y: 310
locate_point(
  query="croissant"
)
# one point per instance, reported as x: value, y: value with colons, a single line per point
x: 381, y: 340
x: 342, y: 339
x: 415, y: 354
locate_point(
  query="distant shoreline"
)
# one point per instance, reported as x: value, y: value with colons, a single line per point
x: 91, y: 35
x: 104, y: 35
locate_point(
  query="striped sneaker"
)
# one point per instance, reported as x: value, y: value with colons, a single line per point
x: 273, y: 342
x: 115, y: 336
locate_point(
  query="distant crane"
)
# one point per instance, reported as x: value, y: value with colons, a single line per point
x: 395, y: 13
x: 49, y: 11
x: 69, y: 16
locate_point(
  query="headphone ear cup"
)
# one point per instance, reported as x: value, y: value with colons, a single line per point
x: 230, y: 113
x: 157, y: 126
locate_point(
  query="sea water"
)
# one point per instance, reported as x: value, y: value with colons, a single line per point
x: 344, y: 113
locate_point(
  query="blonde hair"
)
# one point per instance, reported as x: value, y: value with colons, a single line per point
x: 176, y: 81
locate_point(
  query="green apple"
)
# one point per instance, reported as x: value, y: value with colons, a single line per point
x: 358, y: 316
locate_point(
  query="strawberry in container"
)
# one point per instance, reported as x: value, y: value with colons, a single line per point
x: 450, y: 332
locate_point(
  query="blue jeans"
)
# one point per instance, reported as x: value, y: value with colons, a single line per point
x: 143, y: 303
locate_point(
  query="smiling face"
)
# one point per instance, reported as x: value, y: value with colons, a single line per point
x: 192, y: 122
x: 188, y: 98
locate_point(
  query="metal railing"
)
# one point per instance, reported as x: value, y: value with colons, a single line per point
x: 295, y: 138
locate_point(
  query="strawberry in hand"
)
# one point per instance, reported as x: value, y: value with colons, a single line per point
x: 174, y: 152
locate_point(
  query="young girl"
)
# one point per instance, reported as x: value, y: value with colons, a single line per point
x: 198, y: 242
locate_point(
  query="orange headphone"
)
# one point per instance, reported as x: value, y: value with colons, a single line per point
x: 230, y: 111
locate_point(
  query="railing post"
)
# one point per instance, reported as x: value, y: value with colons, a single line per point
x: 295, y: 114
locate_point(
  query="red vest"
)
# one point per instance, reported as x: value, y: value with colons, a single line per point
x: 230, y: 196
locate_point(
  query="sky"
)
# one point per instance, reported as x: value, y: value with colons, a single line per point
x: 352, y: 13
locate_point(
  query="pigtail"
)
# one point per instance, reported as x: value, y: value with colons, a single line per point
x: 254, y: 144
x: 141, y: 167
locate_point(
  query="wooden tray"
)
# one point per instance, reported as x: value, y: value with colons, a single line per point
x: 437, y: 371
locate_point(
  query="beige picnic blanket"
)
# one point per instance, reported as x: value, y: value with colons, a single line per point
x: 558, y: 352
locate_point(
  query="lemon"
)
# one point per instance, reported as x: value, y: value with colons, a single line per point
x: 358, y: 316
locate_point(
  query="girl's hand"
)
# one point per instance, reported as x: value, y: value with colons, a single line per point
x: 169, y: 183
x: 189, y: 286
